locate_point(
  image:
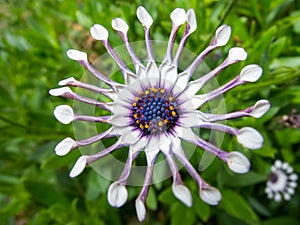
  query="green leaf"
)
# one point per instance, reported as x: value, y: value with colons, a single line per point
x: 96, y: 185
x: 180, y: 214
x: 239, y: 180
x: 259, y: 207
x: 235, y: 205
x: 281, y: 221
x: 151, y: 201
x: 202, y: 209
x: 45, y: 193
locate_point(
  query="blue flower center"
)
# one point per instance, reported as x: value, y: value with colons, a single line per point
x: 154, y: 111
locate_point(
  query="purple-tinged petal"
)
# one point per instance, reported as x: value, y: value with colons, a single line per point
x: 182, y: 193
x: 98, y: 32
x: 120, y: 25
x: 237, y: 162
x: 110, y: 93
x: 65, y: 146
x: 250, y: 138
x: 140, y: 209
x: 60, y: 91
x: 77, y: 55
x: 144, y: 17
x: 222, y: 35
x: 251, y: 73
x: 237, y: 54
x: 64, y: 114
x: 79, y: 166
x: 178, y: 16
x: 210, y: 195
x: 117, y: 194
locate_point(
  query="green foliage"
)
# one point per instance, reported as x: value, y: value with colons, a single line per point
x: 34, y: 184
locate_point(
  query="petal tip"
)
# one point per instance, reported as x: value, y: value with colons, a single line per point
x: 140, y: 210
x: 64, y: 114
x: 117, y: 195
x: 183, y: 194
x: 65, y: 146
x: 79, y: 166
x: 237, y: 162
x: 98, y: 32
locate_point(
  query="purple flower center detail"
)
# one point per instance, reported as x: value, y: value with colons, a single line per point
x: 273, y: 178
x: 154, y: 111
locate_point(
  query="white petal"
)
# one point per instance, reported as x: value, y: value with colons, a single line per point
x: 191, y: 20
x: 76, y: 55
x: 99, y: 32
x: 65, y: 146
x: 120, y: 120
x: 277, y: 197
x: 237, y: 54
x: 251, y: 73
x: 118, y: 109
x: 287, y: 196
x: 60, y: 91
x: 152, y: 149
x: 250, y: 138
x: 237, y: 162
x: 144, y: 17
x: 291, y: 191
x: 289, y: 170
x: 270, y: 195
x: 140, y: 210
x: 293, y: 177
x: 141, y: 143
x: 222, y: 35
x: 170, y: 76
x: 260, y: 108
x: 79, y: 166
x: 190, y: 119
x: 66, y: 81
x: 131, y: 137
x: 178, y: 16
x: 153, y: 73
x: 210, y: 195
x: 278, y: 164
x: 117, y: 195
x: 293, y: 184
x: 285, y: 165
x: 119, y: 25
x: 64, y: 114
x: 186, y: 134
x: 183, y: 194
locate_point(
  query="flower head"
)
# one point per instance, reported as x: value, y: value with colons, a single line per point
x: 156, y: 108
x: 282, y: 182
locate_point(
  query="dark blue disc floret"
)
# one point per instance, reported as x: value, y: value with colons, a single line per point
x: 154, y: 111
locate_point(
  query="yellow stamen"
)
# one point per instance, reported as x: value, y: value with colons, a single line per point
x: 137, y: 121
x: 136, y: 98
x: 141, y: 126
x: 162, y: 91
x: 135, y: 115
x: 171, y: 107
x: 170, y: 98
x: 160, y: 123
x: 146, y: 126
x: 173, y: 113
x: 147, y: 92
x: 166, y: 121
x: 134, y: 104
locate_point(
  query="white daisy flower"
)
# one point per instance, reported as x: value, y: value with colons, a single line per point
x: 156, y: 108
x: 282, y: 182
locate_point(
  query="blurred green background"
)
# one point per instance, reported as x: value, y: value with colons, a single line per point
x: 34, y: 184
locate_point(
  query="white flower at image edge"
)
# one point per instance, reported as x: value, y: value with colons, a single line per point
x: 282, y: 182
x: 156, y: 108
